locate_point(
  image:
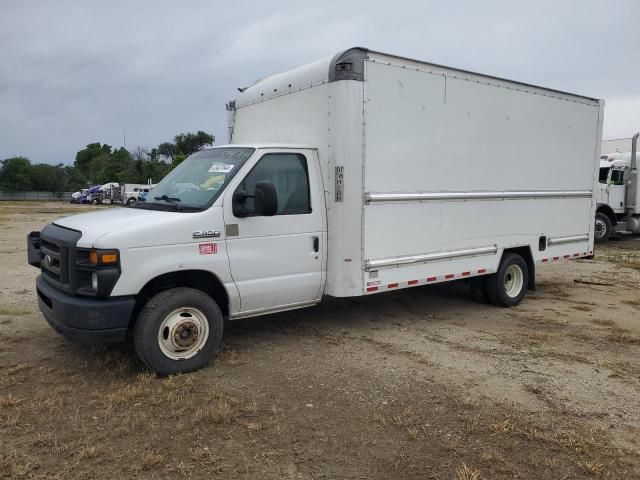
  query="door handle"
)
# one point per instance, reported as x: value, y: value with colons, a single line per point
x: 316, y: 244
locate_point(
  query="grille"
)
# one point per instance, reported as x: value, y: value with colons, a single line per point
x: 58, y: 255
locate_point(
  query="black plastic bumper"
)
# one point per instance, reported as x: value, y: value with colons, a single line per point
x: 85, y: 320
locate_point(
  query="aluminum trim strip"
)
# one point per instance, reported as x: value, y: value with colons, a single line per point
x: 428, y: 257
x: 570, y: 239
x: 506, y: 195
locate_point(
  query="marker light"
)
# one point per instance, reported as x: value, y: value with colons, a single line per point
x: 106, y: 257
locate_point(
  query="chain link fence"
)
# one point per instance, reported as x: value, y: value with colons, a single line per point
x: 36, y: 196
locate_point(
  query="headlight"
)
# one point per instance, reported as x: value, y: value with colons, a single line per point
x: 94, y: 281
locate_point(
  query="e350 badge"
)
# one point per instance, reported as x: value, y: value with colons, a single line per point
x: 208, y: 248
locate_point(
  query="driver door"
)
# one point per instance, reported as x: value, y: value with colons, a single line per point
x: 277, y: 262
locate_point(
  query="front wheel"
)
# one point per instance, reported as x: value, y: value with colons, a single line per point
x: 178, y: 331
x: 94, y: 201
x: 507, y: 286
x: 131, y: 201
x: 603, y: 228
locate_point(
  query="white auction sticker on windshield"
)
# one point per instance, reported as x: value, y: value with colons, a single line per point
x: 220, y: 168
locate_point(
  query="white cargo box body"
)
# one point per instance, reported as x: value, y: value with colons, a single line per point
x: 431, y: 172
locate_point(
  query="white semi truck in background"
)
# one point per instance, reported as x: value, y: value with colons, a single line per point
x: 339, y: 180
x: 618, y: 209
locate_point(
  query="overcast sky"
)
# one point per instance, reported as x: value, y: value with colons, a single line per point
x: 76, y: 72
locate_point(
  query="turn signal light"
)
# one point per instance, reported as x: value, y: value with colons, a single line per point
x: 107, y: 257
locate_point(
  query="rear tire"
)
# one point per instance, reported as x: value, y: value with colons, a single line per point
x: 507, y: 287
x: 602, y: 230
x: 178, y: 331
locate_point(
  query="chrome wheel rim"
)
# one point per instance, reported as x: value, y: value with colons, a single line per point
x: 183, y: 333
x: 513, y: 281
x: 601, y: 228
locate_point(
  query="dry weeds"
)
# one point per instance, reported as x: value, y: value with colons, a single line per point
x: 466, y: 473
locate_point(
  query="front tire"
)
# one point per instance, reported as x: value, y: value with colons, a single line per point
x: 507, y: 287
x: 94, y: 201
x: 131, y: 201
x: 178, y: 331
x: 602, y: 230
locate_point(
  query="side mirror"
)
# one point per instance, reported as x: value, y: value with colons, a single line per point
x: 237, y: 202
x: 266, y: 198
x: 265, y: 201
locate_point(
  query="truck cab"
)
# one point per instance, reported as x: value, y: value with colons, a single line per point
x: 261, y: 205
x: 618, y: 195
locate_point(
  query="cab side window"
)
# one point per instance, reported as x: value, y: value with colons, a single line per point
x: 289, y: 174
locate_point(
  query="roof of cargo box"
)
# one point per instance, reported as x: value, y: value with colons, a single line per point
x: 349, y: 65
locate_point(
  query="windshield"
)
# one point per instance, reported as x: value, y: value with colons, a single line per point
x: 198, y: 180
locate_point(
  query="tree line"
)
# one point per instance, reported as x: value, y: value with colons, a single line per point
x: 99, y: 163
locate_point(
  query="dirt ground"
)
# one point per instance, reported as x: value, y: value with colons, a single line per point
x: 420, y: 383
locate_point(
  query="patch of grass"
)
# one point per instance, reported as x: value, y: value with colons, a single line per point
x: 492, y: 457
x: 124, y: 395
x: 631, y: 301
x: 501, y: 427
x: 14, y: 311
x: 623, y: 369
x: 603, y: 322
x: 466, y: 473
x: 621, y: 335
x: 626, y: 260
x: 592, y: 468
x: 87, y: 453
x: 581, y: 308
x: 151, y: 460
x: 219, y: 412
x: 13, y: 466
x: 7, y: 401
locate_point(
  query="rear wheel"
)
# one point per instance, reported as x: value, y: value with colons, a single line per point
x: 508, y: 285
x: 178, y: 330
x: 602, y: 228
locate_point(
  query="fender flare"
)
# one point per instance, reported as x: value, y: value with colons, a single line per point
x: 608, y: 211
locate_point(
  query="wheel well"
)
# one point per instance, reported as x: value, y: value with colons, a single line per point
x: 198, y: 279
x: 525, y: 252
x: 608, y: 211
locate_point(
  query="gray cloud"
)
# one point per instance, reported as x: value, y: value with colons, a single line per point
x: 76, y: 72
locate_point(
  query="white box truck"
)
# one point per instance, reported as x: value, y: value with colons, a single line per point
x: 354, y: 175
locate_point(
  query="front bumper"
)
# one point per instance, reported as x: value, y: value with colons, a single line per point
x: 85, y: 320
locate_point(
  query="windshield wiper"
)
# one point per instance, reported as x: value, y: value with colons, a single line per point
x: 167, y: 198
x: 171, y: 200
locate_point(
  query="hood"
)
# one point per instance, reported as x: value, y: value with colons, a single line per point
x: 95, y: 225
x: 132, y: 227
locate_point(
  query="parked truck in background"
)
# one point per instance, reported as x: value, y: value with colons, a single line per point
x: 339, y: 180
x: 131, y: 192
x: 618, y: 207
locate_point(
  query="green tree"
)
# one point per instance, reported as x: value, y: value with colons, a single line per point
x: 167, y: 150
x: 94, y: 154
x: 45, y: 177
x: 74, y: 179
x: 188, y: 143
x: 15, y: 174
